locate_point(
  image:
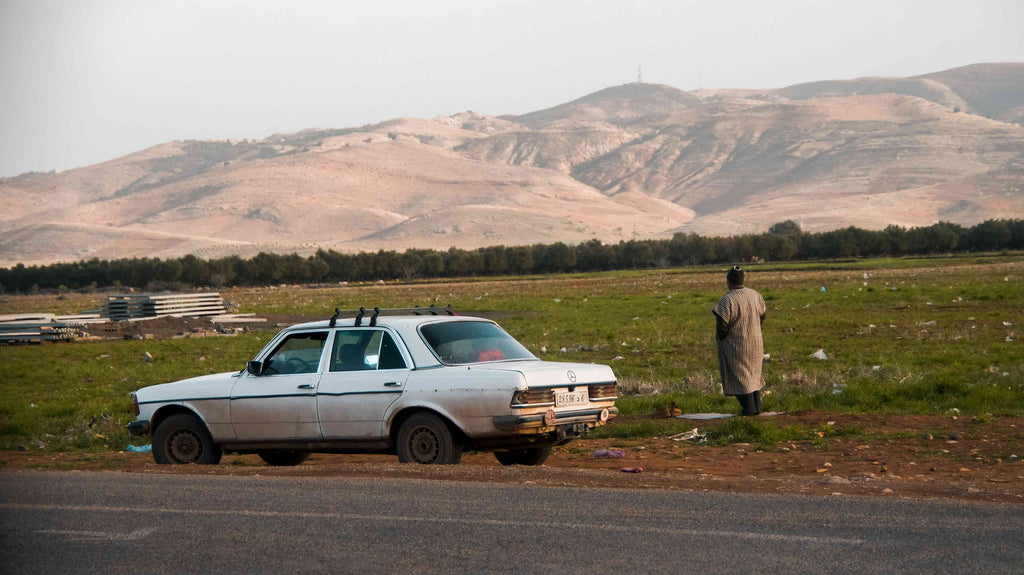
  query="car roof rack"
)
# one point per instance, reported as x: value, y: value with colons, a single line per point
x: 417, y: 310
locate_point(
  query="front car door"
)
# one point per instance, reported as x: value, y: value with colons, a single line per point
x: 280, y: 403
x: 365, y: 374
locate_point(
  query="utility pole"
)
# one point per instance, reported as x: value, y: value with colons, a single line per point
x: 639, y: 75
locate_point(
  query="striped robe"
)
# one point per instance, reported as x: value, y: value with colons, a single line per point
x: 741, y: 352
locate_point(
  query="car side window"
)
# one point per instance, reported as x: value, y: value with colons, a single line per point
x: 390, y: 356
x: 363, y: 350
x: 298, y: 353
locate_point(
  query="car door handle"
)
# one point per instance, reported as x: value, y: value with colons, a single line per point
x: 393, y: 384
x: 306, y: 386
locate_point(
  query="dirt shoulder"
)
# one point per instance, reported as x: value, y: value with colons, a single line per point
x: 915, y: 456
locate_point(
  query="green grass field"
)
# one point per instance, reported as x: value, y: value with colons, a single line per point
x: 928, y: 335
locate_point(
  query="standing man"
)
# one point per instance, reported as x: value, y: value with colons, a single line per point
x: 739, y: 316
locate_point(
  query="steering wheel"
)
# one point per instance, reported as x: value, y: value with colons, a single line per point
x: 297, y: 365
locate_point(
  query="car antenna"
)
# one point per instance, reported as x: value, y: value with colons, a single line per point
x: 359, y: 318
x: 373, y: 318
x: 334, y: 318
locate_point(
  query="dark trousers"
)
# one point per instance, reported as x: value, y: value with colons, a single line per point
x: 750, y: 402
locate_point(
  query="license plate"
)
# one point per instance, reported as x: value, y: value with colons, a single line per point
x: 570, y: 398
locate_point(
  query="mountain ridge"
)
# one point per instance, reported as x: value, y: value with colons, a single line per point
x: 629, y: 161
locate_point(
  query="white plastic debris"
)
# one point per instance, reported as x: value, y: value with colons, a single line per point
x: 820, y: 354
x: 618, y: 357
x: 1007, y: 324
x: 767, y: 357
x: 562, y: 350
x: 876, y: 368
x: 927, y: 323
x: 543, y: 349
x: 692, y: 435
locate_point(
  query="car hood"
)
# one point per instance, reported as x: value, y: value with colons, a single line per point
x: 555, y: 373
x: 203, y: 387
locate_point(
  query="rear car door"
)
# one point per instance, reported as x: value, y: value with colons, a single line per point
x: 280, y: 403
x: 366, y: 373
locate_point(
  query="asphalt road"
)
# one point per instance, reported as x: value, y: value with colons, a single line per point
x: 133, y: 523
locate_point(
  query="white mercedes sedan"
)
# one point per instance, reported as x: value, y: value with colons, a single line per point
x: 424, y: 387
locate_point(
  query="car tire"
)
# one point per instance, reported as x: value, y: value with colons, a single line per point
x: 182, y: 438
x: 425, y: 438
x: 283, y: 458
x: 531, y: 456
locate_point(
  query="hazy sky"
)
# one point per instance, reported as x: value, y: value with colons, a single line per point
x: 83, y: 81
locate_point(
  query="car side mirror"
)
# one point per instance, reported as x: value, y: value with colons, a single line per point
x: 255, y: 367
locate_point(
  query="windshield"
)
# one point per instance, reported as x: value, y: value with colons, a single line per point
x: 472, y: 342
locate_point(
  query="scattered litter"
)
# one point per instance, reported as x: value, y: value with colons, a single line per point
x: 871, y: 325
x: 1008, y: 339
x: 558, y: 301
x: 704, y: 416
x: 838, y: 388
x: 771, y: 413
x: 668, y: 411
x: 767, y: 357
x: 1007, y: 324
x: 876, y: 367
x: 543, y: 349
x: 692, y: 435
x: 822, y: 288
x: 140, y: 449
x: 820, y: 354
x: 632, y: 470
x: 926, y: 323
x: 148, y: 357
x: 618, y: 357
x: 562, y: 350
x: 609, y: 453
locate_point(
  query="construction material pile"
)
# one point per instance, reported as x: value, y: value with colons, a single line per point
x: 37, y: 328
x: 129, y: 307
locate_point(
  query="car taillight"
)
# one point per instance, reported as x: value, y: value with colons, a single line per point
x: 603, y: 391
x: 533, y: 397
x: 135, y: 404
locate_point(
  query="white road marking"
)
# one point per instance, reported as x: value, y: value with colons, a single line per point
x: 451, y: 520
x: 99, y: 535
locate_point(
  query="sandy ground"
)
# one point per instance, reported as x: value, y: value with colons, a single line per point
x: 912, y: 456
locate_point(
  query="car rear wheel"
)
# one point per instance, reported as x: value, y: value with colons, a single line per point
x: 425, y: 438
x: 182, y: 438
x: 532, y: 456
x: 283, y: 458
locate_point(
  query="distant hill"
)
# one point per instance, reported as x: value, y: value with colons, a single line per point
x: 630, y: 161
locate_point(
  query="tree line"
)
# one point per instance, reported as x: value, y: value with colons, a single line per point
x: 784, y: 241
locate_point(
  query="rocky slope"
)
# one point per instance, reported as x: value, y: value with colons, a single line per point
x: 631, y: 161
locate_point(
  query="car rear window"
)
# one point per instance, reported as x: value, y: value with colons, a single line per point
x: 457, y: 342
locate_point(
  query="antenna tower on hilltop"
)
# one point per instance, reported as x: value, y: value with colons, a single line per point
x: 639, y: 76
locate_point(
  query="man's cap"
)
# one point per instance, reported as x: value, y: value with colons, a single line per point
x: 735, y: 276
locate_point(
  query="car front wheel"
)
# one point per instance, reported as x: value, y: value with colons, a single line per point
x: 532, y: 456
x: 182, y: 438
x: 425, y: 438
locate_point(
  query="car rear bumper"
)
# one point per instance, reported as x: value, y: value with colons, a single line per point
x: 139, y: 427
x: 537, y: 422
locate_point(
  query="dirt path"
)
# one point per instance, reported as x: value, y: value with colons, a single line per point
x: 916, y: 456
